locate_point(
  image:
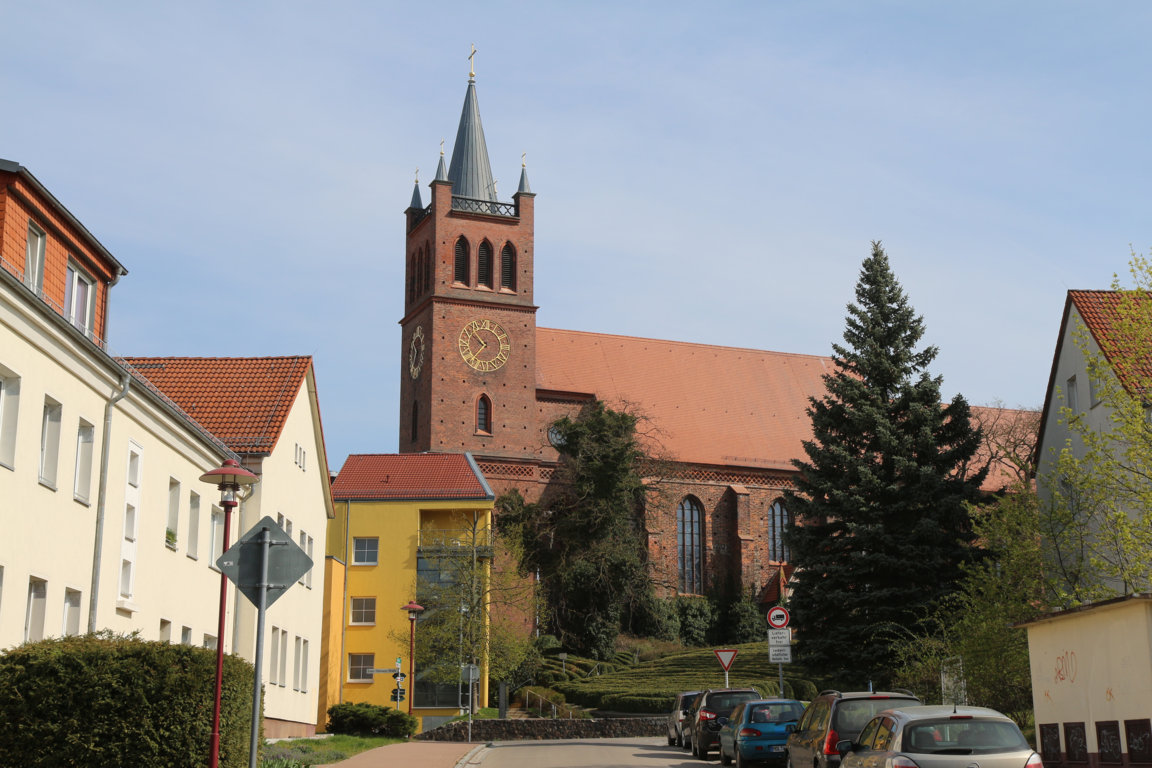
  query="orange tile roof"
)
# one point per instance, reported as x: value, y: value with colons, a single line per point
x: 241, y: 400
x: 423, y: 476
x: 1105, y: 316
x: 710, y: 404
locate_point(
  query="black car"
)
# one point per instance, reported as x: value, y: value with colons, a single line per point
x: 834, y: 716
x: 678, y: 717
x: 710, y: 712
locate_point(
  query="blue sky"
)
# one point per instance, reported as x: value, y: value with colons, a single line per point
x: 704, y: 172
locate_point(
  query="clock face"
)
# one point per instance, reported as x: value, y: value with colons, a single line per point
x: 484, y: 345
x: 416, y: 352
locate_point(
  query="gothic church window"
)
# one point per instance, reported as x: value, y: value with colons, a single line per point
x: 460, y: 274
x: 689, y: 529
x: 508, y: 267
x: 778, y: 521
x: 484, y: 414
x: 415, y: 418
x: 484, y: 265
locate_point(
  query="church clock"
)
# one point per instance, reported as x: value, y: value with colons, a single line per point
x: 416, y: 352
x: 484, y: 345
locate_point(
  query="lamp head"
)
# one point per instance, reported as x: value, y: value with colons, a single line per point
x: 229, y: 478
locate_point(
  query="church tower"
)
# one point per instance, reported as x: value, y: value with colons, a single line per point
x: 468, y: 378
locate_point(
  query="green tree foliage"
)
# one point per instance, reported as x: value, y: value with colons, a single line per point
x: 585, y: 537
x: 883, y: 528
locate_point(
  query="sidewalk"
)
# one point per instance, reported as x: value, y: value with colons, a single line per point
x: 426, y: 754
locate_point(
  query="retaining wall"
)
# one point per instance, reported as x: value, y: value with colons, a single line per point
x: 527, y: 730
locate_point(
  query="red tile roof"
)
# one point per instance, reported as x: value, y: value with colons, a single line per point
x: 423, y: 476
x: 1111, y: 324
x: 241, y: 400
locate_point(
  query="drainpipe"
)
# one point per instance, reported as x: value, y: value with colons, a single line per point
x: 101, y: 498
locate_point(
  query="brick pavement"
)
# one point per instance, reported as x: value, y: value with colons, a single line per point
x: 421, y: 754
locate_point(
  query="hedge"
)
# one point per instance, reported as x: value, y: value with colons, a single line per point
x: 105, y: 699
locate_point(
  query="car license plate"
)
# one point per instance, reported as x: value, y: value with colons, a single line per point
x: 777, y: 748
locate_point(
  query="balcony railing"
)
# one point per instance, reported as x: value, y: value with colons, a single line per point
x: 455, y: 539
x: 491, y: 207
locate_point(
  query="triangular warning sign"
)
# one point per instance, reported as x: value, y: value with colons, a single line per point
x: 726, y: 655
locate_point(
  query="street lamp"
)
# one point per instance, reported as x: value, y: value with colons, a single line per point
x: 414, y: 612
x: 229, y: 478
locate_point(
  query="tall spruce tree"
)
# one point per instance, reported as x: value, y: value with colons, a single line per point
x: 882, y: 527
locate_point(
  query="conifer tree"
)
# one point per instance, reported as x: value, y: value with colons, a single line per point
x: 881, y: 526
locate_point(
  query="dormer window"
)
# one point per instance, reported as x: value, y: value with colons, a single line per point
x: 460, y: 273
x: 34, y: 258
x: 79, y: 298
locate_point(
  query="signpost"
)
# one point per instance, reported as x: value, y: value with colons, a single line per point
x: 779, y: 640
x: 726, y: 656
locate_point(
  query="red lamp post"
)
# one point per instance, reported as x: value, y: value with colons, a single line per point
x: 229, y: 478
x: 414, y: 611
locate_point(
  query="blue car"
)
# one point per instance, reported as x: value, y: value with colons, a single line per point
x: 757, y: 730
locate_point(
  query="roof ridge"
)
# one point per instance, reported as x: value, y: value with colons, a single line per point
x: 686, y: 343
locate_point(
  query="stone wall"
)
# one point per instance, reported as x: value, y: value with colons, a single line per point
x: 528, y: 730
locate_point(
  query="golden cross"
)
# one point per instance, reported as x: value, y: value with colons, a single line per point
x: 417, y: 175
x: 523, y: 161
x: 471, y: 62
x: 441, y: 147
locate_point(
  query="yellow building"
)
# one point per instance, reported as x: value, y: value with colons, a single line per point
x: 408, y: 527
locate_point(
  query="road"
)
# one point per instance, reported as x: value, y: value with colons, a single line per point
x: 648, y: 752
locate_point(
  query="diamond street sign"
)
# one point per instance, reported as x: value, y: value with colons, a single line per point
x: 286, y: 562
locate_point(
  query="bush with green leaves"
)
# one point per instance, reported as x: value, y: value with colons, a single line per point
x: 362, y: 719
x: 697, y: 615
x: 107, y: 699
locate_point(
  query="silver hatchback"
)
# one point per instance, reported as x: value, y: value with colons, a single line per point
x: 939, y: 737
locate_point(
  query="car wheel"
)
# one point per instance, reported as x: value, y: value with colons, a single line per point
x: 702, y: 752
x: 724, y: 759
x: 739, y: 760
x: 671, y: 740
x: 692, y: 748
x: 680, y: 740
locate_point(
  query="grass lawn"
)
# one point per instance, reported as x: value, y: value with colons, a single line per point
x: 333, y: 749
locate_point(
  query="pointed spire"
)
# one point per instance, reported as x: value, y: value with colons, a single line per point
x: 441, y: 171
x: 524, y: 188
x: 416, y: 201
x: 470, y: 171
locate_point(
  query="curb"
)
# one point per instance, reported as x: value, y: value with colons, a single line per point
x: 475, y: 756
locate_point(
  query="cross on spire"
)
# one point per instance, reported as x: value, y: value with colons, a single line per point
x: 472, y: 62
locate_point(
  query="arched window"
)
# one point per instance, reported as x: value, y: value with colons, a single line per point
x: 484, y: 414
x: 426, y: 277
x: 778, y: 521
x: 415, y: 418
x: 484, y: 265
x: 689, y: 532
x: 508, y: 267
x: 460, y: 275
x: 413, y: 269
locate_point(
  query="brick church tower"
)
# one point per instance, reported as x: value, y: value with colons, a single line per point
x: 468, y: 375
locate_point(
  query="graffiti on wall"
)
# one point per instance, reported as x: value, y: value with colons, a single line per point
x: 1066, y: 667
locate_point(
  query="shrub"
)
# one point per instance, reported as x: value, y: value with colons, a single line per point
x: 361, y: 719
x: 657, y: 618
x: 107, y: 699
x: 744, y: 623
x: 696, y: 616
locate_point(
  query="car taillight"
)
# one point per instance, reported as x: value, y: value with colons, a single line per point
x: 960, y: 717
x: 752, y: 733
x: 1034, y: 762
x: 901, y: 762
x: 830, y: 743
x: 707, y: 714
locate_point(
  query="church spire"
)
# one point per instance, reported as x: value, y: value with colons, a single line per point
x: 470, y: 171
x: 524, y: 188
x: 441, y: 171
x: 416, y: 203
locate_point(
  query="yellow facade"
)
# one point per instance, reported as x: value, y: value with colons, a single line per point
x: 402, y: 530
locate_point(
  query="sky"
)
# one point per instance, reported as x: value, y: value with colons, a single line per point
x: 710, y: 173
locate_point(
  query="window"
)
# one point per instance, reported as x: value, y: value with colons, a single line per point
x: 415, y: 419
x: 79, y: 298
x: 85, y: 437
x: 689, y: 526
x: 50, y: 442
x: 128, y: 551
x: 283, y: 678
x: 484, y: 265
x: 186, y: 635
x: 778, y: 522
x: 1071, y: 397
x: 426, y: 271
x: 173, y: 513
x: 508, y: 267
x: 217, y: 534
x: 360, y: 667
x: 71, y: 624
x: 209, y: 642
x: 363, y: 610
x: 193, y: 524
x: 365, y: 551
x: 460, y: 271
x: 34, y: 258
x: 274, y: 657
x: 34, y: 616
x: 308, y: 575
x: 165, y: 631
x: 129, y: 522
x: 1093, y: 392
x: 9, y: 409
x: 134, y: 468
x: 298, y: 647
x: 303, y: 666
x: 304, y: 549
x: 484, y: 414
x: 301, y: 456
x: 126, y: 579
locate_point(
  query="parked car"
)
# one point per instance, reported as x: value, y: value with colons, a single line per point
x: 681, y: 711
x: 710, y: 711
x: 834, y: 716
x: 756, y: 731
x: 939, y: 737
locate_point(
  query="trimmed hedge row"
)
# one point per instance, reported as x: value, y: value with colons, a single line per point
x: 112, y: 700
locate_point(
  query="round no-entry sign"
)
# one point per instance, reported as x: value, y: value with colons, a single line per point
x: 778, y: 617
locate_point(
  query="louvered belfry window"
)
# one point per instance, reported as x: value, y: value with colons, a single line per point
x: 461, y: 272
x: 484, y: 265
x: 508, y: 267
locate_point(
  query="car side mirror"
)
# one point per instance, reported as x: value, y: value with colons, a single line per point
x: 844, y: 746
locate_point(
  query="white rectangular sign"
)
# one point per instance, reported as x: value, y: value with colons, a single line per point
x: 780, y: 654
x: 779, y: 637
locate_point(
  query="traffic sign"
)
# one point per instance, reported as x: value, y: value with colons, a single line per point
x: 726, y: 655
x: 778, y: 617
x: 779, y: 637
x: 387, y: 671
x: 397, y: 694
x: 286, y: 562
x: 399, y: 677
x: 779, y: 654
